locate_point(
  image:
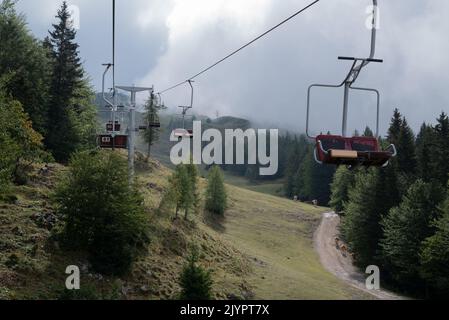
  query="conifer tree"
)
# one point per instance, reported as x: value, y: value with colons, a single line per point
x: 435, y: 255
x: 216, y: 196
x: 192, y: 172
x: 441, y: 155
x: 182, y: 193
x: 103, y: 214
x: 67, y: 76
x: 406, y: 158
x: 405, y: 228
x: 151, y: 116
x: 425, y: 150
x: 395, y: 127
x: 343, y: 182
x: 196, y: 283
x: 360, y: 226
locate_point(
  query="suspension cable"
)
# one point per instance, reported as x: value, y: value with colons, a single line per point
x: 241, y: 48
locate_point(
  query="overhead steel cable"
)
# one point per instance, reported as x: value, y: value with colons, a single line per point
x: 242, y: 47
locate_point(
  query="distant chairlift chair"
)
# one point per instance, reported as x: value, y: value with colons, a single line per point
x: 183, y: 132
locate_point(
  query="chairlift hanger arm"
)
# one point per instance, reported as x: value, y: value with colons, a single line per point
x: 108, y: 66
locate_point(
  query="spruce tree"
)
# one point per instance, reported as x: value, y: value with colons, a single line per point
x: 196, y: 283
x: 67, y: 78
x: 343, y: 181
x: 426, y: 150
x: 314, y: 180
x: 192, y: 172
x: 407, y: 163
x: 360, y: 226
x: 181, y: 190
x: 435, y: 255
x: 368, y: 132
x: 441, y: 155
x: 151, y: 116
x: 216, y: 196
x: 405, y: 228
x: 395, y: 127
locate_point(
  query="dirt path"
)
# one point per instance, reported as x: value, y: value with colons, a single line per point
x: 335, y: 262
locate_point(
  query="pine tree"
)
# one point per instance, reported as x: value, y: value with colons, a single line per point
x: 368, y: 132
x: 435, y: 255
x: 196, y: 283
x: 67, y: 78
x: 360, y: 226
x: 151, y: 116
x: 405, y: 228
x: 343, y: 181
x: 182, y: 192
x: 426, y: 150
x: 395, y: 127
x: 314, y: 180
x: 216, y: 196
x: 441, y: 155
x: 192, y: 172
x: 407, y: 163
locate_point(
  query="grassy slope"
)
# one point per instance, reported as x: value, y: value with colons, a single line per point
x: 277, y: 234
x: 262, y: 249
x: 274, y: 188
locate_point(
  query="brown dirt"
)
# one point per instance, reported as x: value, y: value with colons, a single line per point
x: 339, y: 263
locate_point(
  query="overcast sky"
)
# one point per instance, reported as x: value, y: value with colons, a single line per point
x: 163, y: 42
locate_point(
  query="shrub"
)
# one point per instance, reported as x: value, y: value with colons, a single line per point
x: 103, y: 214
x: 196, y: 283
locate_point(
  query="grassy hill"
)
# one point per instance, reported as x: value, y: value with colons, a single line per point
x: 262, y: 249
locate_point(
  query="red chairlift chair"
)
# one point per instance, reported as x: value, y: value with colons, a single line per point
x: 352, y: 151
x: 107, y: 141
x: 183, y: 133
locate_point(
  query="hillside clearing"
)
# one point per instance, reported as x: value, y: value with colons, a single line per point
x: 262, y: 249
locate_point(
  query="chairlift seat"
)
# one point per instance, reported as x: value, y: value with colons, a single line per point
x: 107, y: 141
x: 181, y: 133
x: 155, y: 125
x: 353, y: 152
x: 111, y: 127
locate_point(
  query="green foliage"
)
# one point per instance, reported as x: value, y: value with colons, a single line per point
x: 102, y: 213
x: 71, y: 112
x: 360, y: 226
x: 313, y: 181
x: 406, y: 158
x: 343, y: 182
x: 192, y: 172
x: 196, y: 283
x: 21, y: 145
x: 435, y: 255
x: 183, y: 189
x: 425, y: 148
x: 405, y: 228
x: 26, y: 60
x: 441, y: 152
x: 151, y: 116
x: 216, y: 196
